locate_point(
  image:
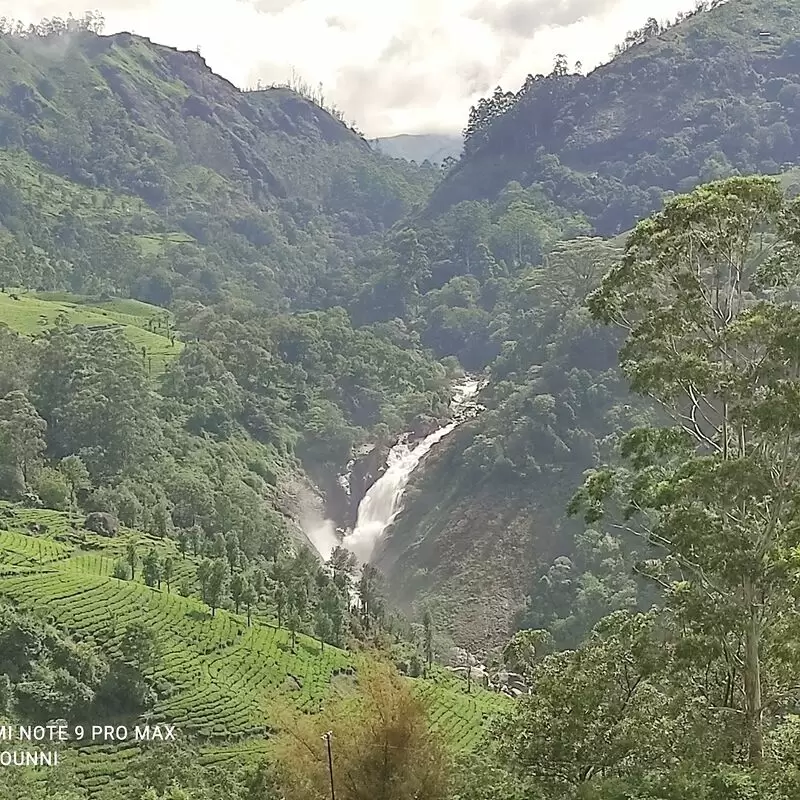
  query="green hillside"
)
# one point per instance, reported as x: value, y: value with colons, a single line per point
x: 185, y: 183
x: 503, y: 257
x: 222, y: 682
x: 713, y: 96
x: 221, y: 308
x: 30, y: 314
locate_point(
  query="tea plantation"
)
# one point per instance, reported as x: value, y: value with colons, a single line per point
x: 222, y: 683
x: 143, y: 324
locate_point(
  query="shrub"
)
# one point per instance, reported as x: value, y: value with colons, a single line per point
x: 122, y: 570
x: 52, y: 488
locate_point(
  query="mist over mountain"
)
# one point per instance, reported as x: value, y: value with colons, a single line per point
x: 433, y: 147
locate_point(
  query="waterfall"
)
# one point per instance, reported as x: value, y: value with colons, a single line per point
x: 381, y: 503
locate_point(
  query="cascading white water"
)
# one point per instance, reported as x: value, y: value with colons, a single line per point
x: 381, y: 503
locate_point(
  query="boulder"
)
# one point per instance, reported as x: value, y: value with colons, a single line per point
x: 102, y: 522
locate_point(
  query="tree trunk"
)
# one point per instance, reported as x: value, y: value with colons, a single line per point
x: 752, y: 678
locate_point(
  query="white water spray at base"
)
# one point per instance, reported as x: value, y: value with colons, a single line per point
x: 381, y: 503
x: 322, y: 534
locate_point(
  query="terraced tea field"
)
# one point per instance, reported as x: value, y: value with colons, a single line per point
x: 30, y: 314
x: 223, y: 684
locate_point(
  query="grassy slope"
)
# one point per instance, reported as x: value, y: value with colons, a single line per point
x: 31, y: 314
x: 226, y: 681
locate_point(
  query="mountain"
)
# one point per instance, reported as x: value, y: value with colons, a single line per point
x: 715, y: 95
x: 483, y: 536
x: 202, y: 174
x: 131, y: 170
x: 215, y: 302
x: 419, y: 147
x: 176, y: 256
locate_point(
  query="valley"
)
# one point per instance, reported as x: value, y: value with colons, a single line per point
x: 435, y: 469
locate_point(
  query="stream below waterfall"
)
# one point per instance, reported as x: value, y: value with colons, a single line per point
x: 381, y: 504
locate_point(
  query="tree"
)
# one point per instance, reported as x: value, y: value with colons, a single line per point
x: 237, y: 590
x: 382, y: 742
x: 281, y: 597
x: 560, y: 67
x: 369, y: 594
x: 219, y: 547
x: 132, y: 556
x: 9, y: 272
x: 195, y: 537
x: 217, y: 583
x: 183, y: 542
x: 77, y: 477
x: 204, y: 578
x: 597, y: 711
x: 249, y: 597
x: 160, y: 520
x: 294, y: 623
x: 126, y: 687
x: 90, y: 388
x: 168, y: 571
x: 334, y: 604
x: 233, y: 550
x: 151, y: 568
x: 702, y: 292
x: 323, y: 627
x: 342, y: 565
x: 121, y: 570
x: 262, y: 782
x: 525, y: 649
x: 297, y: 606
x: 21, y: 432
x: 140, y: 647
x: 427, y: 627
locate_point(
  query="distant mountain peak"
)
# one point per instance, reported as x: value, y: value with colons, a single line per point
x: 419, y: 147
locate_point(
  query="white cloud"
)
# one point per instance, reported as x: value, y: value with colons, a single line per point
x: 393, y: 67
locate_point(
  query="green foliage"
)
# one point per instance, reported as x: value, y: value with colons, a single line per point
x: 21, y: 435
x: 52, y: 488
x: 214, y: 677
x: 714, y: 490
x: 169, y: 195
x: 614, y: 143
x: 49, y: 674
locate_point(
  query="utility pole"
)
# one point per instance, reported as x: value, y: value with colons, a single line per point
x: 327, y: 738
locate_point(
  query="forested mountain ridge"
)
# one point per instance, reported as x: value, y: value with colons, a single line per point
x: 258, y: 193
x: 716, y: 94
x: 160, y: 581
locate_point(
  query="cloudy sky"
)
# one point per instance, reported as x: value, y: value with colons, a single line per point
x: 392, y: 66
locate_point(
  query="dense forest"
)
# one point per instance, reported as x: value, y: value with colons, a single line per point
x: 212, y: 300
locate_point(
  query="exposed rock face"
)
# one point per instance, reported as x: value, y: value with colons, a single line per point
x: 366, y: 470
x: 468, y: 553
x: 303, y: 505
x: 102, y: 522
x: 341, y: 504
